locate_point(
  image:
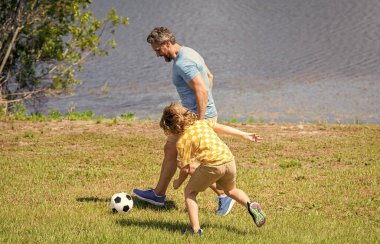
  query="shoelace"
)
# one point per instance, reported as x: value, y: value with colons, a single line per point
x: 219, y: 202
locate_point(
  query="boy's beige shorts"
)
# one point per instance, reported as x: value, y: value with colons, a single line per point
x: 224, y: 175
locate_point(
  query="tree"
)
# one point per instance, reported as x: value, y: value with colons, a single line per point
x: 44, y: 43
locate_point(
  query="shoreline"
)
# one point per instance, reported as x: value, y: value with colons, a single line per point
x: 144, y: 127
x: 88, y: 116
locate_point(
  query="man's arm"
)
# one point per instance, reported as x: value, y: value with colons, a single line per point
x: 210, y: 77
x: 201, y: 94
x: 225, y: 129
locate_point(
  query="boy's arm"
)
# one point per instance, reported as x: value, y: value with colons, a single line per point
x: 225, y: 129
x: 183, y: 173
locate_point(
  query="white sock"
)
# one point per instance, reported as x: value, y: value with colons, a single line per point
x: 222, y: 196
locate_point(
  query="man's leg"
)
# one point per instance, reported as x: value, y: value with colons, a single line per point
x: 157, y: 196
x: 168, y: 168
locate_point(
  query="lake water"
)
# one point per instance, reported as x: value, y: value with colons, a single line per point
x: 278, y: 60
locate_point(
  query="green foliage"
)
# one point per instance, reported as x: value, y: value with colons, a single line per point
x: 55, y: 114
x: 100, y: 119
x: 49, y: 41
x: 85, y: 115
x: 2, y: 112
x: 251, y: 120
x: 234, y: 120
x: 261, y: 120
x: 37, y: 117
x: 20, y: 112
x: 128, y: 116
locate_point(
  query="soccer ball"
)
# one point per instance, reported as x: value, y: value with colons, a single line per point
x: 121, y: 203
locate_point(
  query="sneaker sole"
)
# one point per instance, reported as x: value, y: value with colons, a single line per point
x: 149, y: 201
x: 229, y: 208
x: 258, y: 211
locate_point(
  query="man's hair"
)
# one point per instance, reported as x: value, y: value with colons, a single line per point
x: 160, y: 35
x: 175, y: 118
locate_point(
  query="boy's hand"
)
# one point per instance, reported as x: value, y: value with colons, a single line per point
x: 253, y: 137
x: 176, y: 184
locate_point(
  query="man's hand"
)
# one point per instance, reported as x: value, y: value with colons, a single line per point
x: 253, y: 137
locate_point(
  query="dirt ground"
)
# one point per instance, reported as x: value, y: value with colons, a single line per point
x: 123, y: 128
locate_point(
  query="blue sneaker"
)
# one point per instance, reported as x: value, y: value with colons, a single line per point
x: 225, y: 205
x: 150, y: 197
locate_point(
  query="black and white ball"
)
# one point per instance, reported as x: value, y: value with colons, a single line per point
x: 121, y: 203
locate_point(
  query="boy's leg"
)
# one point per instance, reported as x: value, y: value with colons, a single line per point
x: 225, y: 203
x: 238, y: 195
x: 253, y: 208
x: 157, y: 196
x: 200, y: 180
x: 192, y: 208
x: 213, y: 187
x: 228, y: 183
x: 218, y: 192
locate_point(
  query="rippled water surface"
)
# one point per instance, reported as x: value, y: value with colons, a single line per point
x: 280, y: 60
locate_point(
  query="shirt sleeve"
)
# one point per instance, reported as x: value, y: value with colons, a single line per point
x: 211, y: 122
x: 184, y: 149
x: 188, y: 70
x: 187, y: 147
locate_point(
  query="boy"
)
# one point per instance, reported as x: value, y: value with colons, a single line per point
x: 198, y: 139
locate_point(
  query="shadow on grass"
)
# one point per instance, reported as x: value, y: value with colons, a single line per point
x: 158, y: 224
x: 137, y: 203
x: 169, y: 205
x: 173, y: 226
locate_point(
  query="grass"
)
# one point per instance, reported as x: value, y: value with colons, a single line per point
x: 317, y: 183
x: 20, y: 113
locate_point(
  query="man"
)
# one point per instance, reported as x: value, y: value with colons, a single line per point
x: 193, y: 81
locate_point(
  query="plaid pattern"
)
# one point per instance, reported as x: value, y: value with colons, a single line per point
x: 199, y: 141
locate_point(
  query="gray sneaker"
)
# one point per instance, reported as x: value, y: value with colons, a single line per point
x: 190, y: 231
x: 257, y: 214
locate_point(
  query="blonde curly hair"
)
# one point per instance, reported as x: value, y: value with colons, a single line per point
x: 175, y: 118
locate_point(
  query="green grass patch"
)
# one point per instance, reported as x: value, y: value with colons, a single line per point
x: 289, y: 163
x: 316, y: 183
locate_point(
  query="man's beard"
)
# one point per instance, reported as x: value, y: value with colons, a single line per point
x: 167, y: 59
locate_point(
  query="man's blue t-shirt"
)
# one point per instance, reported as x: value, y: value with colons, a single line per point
x: 186, y: 66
